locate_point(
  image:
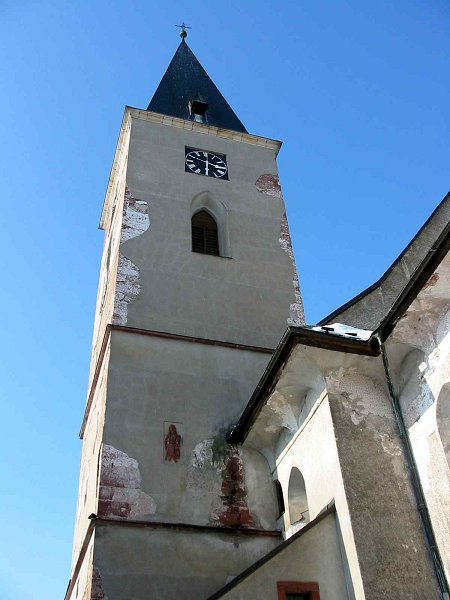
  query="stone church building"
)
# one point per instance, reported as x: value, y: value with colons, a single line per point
x: 229, y: 450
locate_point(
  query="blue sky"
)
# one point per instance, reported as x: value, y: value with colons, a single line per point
x: 357, y: 90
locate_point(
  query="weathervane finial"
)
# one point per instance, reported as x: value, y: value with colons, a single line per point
x: 183, y: 32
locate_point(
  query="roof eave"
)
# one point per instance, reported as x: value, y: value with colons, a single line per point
x: 291, y: 337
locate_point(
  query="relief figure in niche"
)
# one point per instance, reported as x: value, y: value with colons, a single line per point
x: 172, y: 443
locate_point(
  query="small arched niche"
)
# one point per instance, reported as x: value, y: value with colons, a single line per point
x: 443, y: 419
x: 298, y: 502
x: 204, y: 207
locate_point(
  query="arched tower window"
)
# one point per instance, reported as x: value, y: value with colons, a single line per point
x: 298, y: 502
x: 205, y: 237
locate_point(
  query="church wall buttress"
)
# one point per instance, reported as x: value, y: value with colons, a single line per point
x: 382, y: 506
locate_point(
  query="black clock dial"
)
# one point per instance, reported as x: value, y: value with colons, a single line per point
x: 206, y: 163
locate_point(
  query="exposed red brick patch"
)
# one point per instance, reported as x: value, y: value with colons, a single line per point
x: 97, y: 592
x: 285, y: 237
x: 233, y: 493
x: 432, y: 281
x: 269, y: 184
x: 297, y: 312
x: 120, y: 492
x: 108, y: 506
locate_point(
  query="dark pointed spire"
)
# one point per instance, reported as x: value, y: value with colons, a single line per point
x: 184, y: 82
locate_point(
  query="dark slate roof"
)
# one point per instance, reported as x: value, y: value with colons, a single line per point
x: 186, y: 79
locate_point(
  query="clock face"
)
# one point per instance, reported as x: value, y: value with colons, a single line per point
x: 206, y: 163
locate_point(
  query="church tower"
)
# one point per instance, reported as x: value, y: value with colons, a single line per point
x: 197, y: 285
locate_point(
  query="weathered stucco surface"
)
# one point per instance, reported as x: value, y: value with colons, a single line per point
x: 167, y: 563
x: 176, y: 290
x: 150, y: 279
x: 330, y: 416
x: 135, y: 222
x: 315, y: 556
x: 270, y: 185
x: 392, y: 552
x: 154, y: 381
x: 419, y: 351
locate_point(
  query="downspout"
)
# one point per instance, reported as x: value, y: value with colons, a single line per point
x: 417, y: 485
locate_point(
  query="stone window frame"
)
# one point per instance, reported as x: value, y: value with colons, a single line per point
x: 205, y: 201
x: 298, y: 587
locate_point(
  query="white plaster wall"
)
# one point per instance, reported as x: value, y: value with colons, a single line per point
x: 314, y: 556
x: 313, y: 451
x: 420, y: 378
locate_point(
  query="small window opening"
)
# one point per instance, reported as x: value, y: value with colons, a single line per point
x: 298, y: 502
x: 197, y: 109
x: 280, y: 499
x: 204, y: 234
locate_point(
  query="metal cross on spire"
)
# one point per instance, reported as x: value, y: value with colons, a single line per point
x: 183, y: 32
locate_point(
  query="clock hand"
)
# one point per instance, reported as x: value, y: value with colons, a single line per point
x: 210, y: 163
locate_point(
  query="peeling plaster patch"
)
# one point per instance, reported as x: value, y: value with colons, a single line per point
x: 297, y: 315
x: 389, y: 445
x: 120, y: 482
x: 135, y: 222
x: 203, y: 476
x: 285, y: 238
x: 135, y: 219
x: 202, y: 454
x: 432, y: 281
x: 362, y: 396
x: 97, y: 592
x: 128, y: 287
x: 269, y: 184
x: 282, y: 412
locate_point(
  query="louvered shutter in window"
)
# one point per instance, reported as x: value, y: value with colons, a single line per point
x: 204, y: 234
